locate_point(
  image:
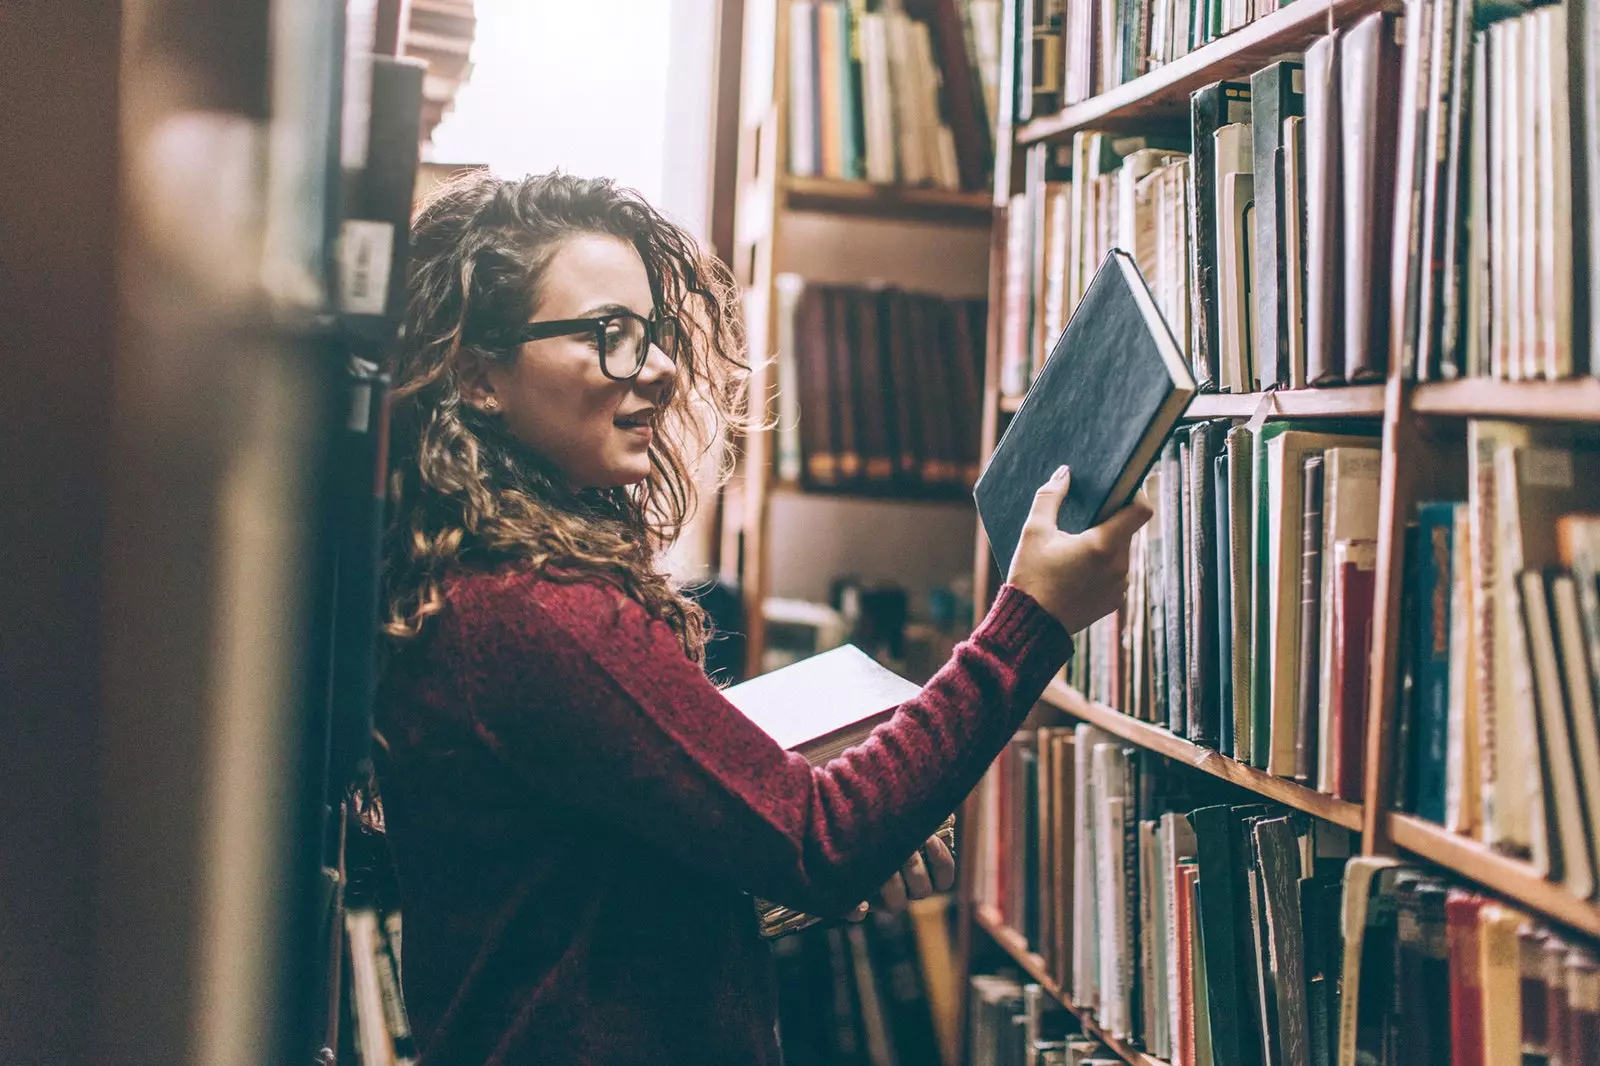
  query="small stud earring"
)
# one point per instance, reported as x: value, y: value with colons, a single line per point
x: 491, y: 404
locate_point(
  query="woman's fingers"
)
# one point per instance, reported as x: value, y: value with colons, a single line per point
x: 941, y: 864
x: 919, y: 885
x: 893, y: 894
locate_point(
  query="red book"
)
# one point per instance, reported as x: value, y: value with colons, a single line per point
x: 1354, y: 574
x: 1188, y: 874
x: 1466, y: 985
x: 1583, y: 1007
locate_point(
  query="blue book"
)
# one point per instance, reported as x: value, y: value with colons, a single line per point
x: 1431, y: 591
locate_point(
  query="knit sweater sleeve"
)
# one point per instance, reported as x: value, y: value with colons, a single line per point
x: 595, y: 706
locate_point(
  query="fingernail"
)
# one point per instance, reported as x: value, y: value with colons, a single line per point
x: 1061, y: 472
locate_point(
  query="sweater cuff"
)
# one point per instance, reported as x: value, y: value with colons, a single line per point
x: 1023, y: 633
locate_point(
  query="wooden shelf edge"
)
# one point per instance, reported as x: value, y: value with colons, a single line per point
x: 1518, y: 882
x: 832, y: 196
x: 1015, y: 946
x: 1572, y: 400
x: 1164, y: 92
x: 1154, y: 738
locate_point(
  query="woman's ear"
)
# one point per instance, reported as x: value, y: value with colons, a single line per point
x: 472, y: 379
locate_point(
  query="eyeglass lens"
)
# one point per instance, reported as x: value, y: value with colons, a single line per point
x: 624, y: 346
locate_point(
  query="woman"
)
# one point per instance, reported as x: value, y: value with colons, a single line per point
x: 577, y: 816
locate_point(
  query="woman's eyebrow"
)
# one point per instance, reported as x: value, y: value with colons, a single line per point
x: 601, y: 310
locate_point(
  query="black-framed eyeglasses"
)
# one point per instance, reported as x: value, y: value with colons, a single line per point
x: 622, y: 339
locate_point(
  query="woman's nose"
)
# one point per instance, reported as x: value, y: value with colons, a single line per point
x: 659, y: 370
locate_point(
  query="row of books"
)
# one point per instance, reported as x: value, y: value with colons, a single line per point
x: 1193, y: 926
x: 879, y: 993
x: 1071, y: 50
x: 1501, y: 650
x: 1495, y: 232
x: 880, y: 95
x: 1018, y: 1024
x: 1287, y: 248
x: 1439, y: 975
x: 878, y: 389
x: 1248, y: 622
x: 1245, y: 934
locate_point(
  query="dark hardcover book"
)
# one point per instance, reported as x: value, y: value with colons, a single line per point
x: 965, y: 321
x: 875, y: 397
x: 1242, y: 559
x: 1277, y: 91
x: 1103, y: 404
x: 1224, y: 936
x: 1028, y: 788
x: 940, y: 464
x: 1191, y: 579
x: 1375, y: 1002
x: 1319, y: 921
x: 1174, y: 588
x: 1223, y: 540
x: 1352, y: 592
x: 849, y: 1044
x: 1310, y: 650
x: 1414, y: 161
x: 1210, y: 108
x: 818, y: 447
x: 1431, y: 570
x: 894, y: 331
x: 1324, y: 256
x: 1370, y: 66
x: 1278, y: 856
x: 1206, y: 442
x: 1263, y: 1004
x: 1405, y: 703
x: 842, y: 407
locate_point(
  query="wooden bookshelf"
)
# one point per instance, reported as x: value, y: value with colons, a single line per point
x: 1161, y: 97
x: 1577, y: 400
x: 1513, y: 879
x: 890, y: 202
x: 1152, y: 737
x: 1013, y: 944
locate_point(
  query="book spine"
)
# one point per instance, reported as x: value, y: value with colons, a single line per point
x: 1324, y: 222
x: 1435, y: 538
x: 1305, y: 743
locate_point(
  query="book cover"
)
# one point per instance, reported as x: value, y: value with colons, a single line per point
x: 822, y: 705
x: 1223, y: 604
x: 1241, y: 560
x: 1174, y: 587
x: 1103, y: 404
x: 1354, y: 565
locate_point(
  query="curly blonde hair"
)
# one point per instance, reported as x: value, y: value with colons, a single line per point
x: 465, y: 493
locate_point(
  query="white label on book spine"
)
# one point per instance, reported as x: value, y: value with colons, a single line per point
x: 365, y: 250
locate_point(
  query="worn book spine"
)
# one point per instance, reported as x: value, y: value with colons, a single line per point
x: 1173, y: 593
x: 1324, y: 216
x: 1187, y: 439
x: 1240, y: 462
x: 1370, y: 65
x: 1205, y: 714
x: 1222, y: 537
x: 1306, y: 710
x: 1432, y: 573
x: 1406, y: 267
x: 1276, y: 93
x: 1277, y: 848
x: 1210, y: 108
x: 1354, y: 564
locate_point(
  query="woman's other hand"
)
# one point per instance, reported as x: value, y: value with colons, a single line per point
x: 929, y: 870
x: 1080, y: 577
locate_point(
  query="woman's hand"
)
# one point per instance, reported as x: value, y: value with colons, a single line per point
x: 919, y: 878
x: 1081, y: 577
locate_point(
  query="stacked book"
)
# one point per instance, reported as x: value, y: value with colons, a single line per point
x: 1200, y: 929
x: 880, y: 95
x: 1497, y: 233
x: 879, y: 390
x: 882, y: 992
x: 1247, y: 626
x: 1436, y: 975
x: 1501, y: 650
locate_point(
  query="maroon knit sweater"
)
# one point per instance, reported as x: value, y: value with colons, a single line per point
x: 579, y: 819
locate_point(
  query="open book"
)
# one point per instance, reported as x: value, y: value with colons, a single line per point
x: 819, y: 707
